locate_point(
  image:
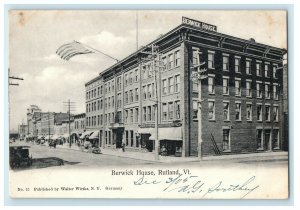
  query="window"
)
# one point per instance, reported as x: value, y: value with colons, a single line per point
x: 164, y: 61
x: 249, y: 112
x: 195, y: 85
x: 149, y: 90
x: 149, y: 113
x: 258, y: 69
x: 275, y: 75
x: 113, y: 86
x: 101, y: 90
x: 101, y: 119
x: 275, y: 92
x: 101, y: 104
x: 126, y: 97
x: 171, y: 85
x: 276, y: 139
x: 109, y: 87
x: 267, y: 91
x: 126, y: 116
x: 275, y: 113
x: 144, y: 114
x: 226, y: 139
x: 259, y: 112
x: 131, y: 138
x: 195, y: 109
x: 113, y: 101
x: 177, y: 58
x: 258, y: 90
x: 171, y: 110
x: 98, y: 105
x: 164, y: 111
x: 136, y: 115
x: 238, y: 111
x: 267, y: 71
x: 131, y: 95
x: 211, y: 60
x: 164, y: 84
x: 131, y: 115
x: 211, y: 110
x: 98, y: 92
x: 225, y: 86
x: 177, y: 83
x: 238, y: 87
x: 144, y: 92
x: 119, y: 83
x: 226, y: 63
x: 259, y: 138
x: 267, y: 113
x: 171, y: 61
x: 108, y: 118
x: 130, y: 77
x: 136, y: 75
x: 119, y: 100
x: 126, y: 79
x: 248, y: 67
x: 226, y: 111
x: 177, y: 109
x: 211, y: 84
x: 105, y: 87
x: 144, y: 70
x: 119, y: 117
x: 127, y: 137
x: 248, y: 88
x: 136, y: 94
x: 237, y: 65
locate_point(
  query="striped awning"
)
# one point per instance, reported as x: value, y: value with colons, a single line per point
x: 86, y: 134
x: 95, y: 135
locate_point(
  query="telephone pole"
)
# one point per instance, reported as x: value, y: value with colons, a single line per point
x: 154, y: 57
x: 198, y: 76
x: 70, y: 107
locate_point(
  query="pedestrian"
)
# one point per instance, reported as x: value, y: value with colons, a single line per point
x: 123, y: 147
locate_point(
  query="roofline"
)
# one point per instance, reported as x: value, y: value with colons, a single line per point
x: 174, y: 30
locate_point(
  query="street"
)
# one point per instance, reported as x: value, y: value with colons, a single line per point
x: 45, y: 157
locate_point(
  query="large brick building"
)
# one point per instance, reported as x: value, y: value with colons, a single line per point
x: 241, y: 96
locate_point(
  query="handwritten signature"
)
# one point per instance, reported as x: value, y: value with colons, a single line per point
x: 193, y: 184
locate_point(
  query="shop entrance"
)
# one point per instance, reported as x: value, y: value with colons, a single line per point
x: 119, y: 137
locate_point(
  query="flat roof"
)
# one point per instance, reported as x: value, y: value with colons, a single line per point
x: 181, y: 26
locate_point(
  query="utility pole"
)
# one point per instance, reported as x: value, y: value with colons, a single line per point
x: 48, y: 126
x: 198, y: 76
x: 70, y: 107
x: 155, y: 57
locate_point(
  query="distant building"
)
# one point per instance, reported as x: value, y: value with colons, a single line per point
x: 32, y: 114
x: 22, y: 131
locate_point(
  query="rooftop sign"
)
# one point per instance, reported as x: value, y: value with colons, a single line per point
x: 199, y: 24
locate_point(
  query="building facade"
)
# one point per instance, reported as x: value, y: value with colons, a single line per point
x: 241, y: 98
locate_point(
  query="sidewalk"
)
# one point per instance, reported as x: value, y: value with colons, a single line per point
x: 149, y: 156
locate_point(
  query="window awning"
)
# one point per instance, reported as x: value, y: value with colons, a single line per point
x: 87, y: 133
x: 95, y: 135
x: 145, y: 130
x: 172, y: 133
x: 65, y: 136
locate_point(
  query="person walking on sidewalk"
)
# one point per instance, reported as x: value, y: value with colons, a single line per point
x: 123, y: 147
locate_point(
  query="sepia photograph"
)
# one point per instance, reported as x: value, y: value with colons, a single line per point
x: 189, y: 104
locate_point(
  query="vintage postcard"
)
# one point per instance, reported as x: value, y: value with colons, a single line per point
x: 188, y: 104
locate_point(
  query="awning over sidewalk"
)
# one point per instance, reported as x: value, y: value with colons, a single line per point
x: 85, y: 134
x: 95, y: 135
x: 172, y: 133
x: 65, y: 136
x: 145, y: 130
x: 55, y: 137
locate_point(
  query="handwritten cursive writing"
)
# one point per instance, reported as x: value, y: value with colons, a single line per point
x: 193, y: 184
x: 219, y: 187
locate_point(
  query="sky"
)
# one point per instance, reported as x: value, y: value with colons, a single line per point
x: 34, y: 37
